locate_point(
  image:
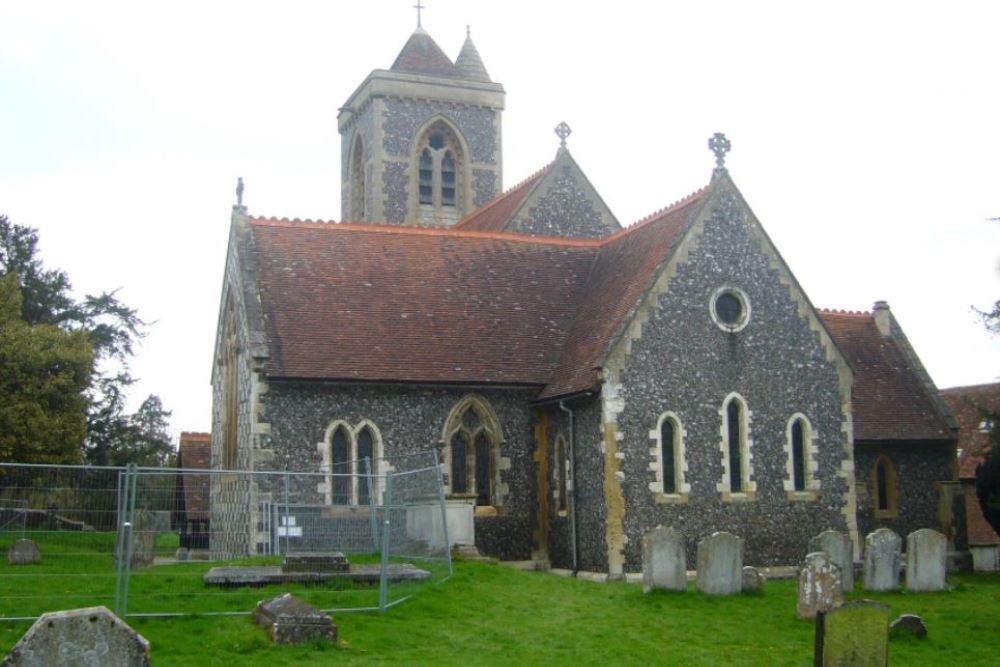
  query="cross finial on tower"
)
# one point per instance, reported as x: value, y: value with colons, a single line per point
x: 719, y: 145
x: 239, y: 191
x: 468, y: 31
x: 562, y: 131
x: 419, y: 7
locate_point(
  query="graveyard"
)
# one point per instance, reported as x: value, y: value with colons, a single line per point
x: 488, y: 613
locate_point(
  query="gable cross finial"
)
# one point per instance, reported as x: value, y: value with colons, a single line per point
x: 719, y: 145
x: 419, y: 7
x: 562, y: 131
x: 239, y: 191
x: 468, y: 31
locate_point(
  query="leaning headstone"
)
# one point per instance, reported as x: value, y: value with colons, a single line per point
x: 289, y: 620
x: 84, y: 637
x: 720, y: 564
x: 882, y: 556
x: 753, y: 580
x: 664, y: 563
x: 910, y: 624
x: 926, y: 560
x: 24, y: 552
x: 840, y: 548
x: 820, y: 585
x: 853, y: 635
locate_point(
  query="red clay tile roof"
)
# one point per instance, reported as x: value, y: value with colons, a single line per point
x: 422, y: 55
x: 890, y: 400
x: 195, y: 452
x: 967, y: 404
x: 623, y: 271
x: 385, y: 303
x: 495, y: 214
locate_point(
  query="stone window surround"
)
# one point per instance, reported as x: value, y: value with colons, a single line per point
x: 456, y: 144
x: 560, y: 496
x: 749, y: 492
x: 892, y: 505
x: 743, y: 299
x: 325, y: 448
x: 680, y: 462
x: 809, y: 452
x: 494, y: 433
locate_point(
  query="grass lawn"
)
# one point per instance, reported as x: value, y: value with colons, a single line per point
x: 492, y: 615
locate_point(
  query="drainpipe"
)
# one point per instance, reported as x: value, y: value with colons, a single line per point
x: 572, y: 477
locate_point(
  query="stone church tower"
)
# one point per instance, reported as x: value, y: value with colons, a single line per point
x: 420, y: 142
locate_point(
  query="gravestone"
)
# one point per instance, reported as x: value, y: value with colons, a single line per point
x: 753, y: 580
x: 840, y: 548
x: 81, y: 637
x: 664, y: 563
x: 318, y: 561
x: 926, y: 560
x: 882, y: 560
x: 720, y: 564
x: 908, y: 624
x: 853, y: 635
x: 289, y: 620
x: 24, y: 552
x: 820, y: 585
x: 143, y: 539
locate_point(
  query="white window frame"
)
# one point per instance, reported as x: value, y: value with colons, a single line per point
x: 749, y: 486
x: 809, y: 454
x: 683, y: 488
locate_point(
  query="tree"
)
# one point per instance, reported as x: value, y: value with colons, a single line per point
x: 44, y: 373
x: 110, y: 327
x: 988, y: 483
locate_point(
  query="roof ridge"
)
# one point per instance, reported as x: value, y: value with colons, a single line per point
x: 980, y: 385
x: 656, y: 215
x: 836, y: 311
x: 425, y: 231
x: 500, y: 197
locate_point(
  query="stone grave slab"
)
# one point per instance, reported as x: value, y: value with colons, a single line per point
x: 820, y: 586
x: 263, y: 575
x: 882, y: 560
x: 664, y: 562
x: 289, y: 620
x: 926, y: 561
x: 908, y: 624
x: 79, y: 638
x: 24, y: 552
x: 753, y: 580
x: 720, y: 564
x: 853, y: 635
x: 325, y: 561
x: 840, y: 548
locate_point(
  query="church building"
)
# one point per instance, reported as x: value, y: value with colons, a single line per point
x: 581, y: 381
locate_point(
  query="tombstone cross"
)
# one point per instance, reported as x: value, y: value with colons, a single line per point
x: 719, y: 145
x: 562, y: 131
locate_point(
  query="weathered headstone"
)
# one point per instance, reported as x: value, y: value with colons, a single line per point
x: 143, y: 539
x: 24, y: 552
x: 840, y: 548
x: 910, y: 624
x: 882, y: 556
x: 720, y: 564
x: 820, y: 585
x: 79, y: 638
x: 289, y: 620
x: 664, y: 563
x: 753, y: 580
x: 926, y: 560
x: 854, y: 635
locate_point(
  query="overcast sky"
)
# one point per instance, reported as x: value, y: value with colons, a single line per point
x: 864, y: 136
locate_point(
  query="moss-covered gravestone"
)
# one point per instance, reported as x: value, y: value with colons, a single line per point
x: 853, y: 635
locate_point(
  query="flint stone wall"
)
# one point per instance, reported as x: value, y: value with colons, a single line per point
x: 686, y: 364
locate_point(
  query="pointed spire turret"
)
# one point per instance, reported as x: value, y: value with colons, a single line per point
x: 469, y: 64
x: 422, y: 55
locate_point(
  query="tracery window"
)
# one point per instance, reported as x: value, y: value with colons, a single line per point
x: 439, y: 174
x: 351, y: 458
x: 472, y: 452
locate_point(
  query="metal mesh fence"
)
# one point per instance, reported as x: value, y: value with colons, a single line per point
x: 153, y: 541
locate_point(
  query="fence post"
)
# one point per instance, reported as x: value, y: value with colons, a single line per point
x: 383, y: 584
x: 372, y: 501
x: 444, y: 515
x: 119, y: 541
x: 288, y: 528
x: 130, y: 493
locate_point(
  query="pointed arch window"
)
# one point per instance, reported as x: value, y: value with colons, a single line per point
x: 351, y: 458
x: 668, y: 463
x: 734, y: 442
x: 472, y: 452
x: 737, y: 450
x: 440, y: 161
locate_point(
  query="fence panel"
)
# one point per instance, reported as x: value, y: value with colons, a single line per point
x: 71, y: 513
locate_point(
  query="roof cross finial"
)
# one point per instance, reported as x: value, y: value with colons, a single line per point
x: 562, y: 131
x: 719, y: 145
x: 239, y: 191
x: 468, y: 31
x: 419, y: 7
